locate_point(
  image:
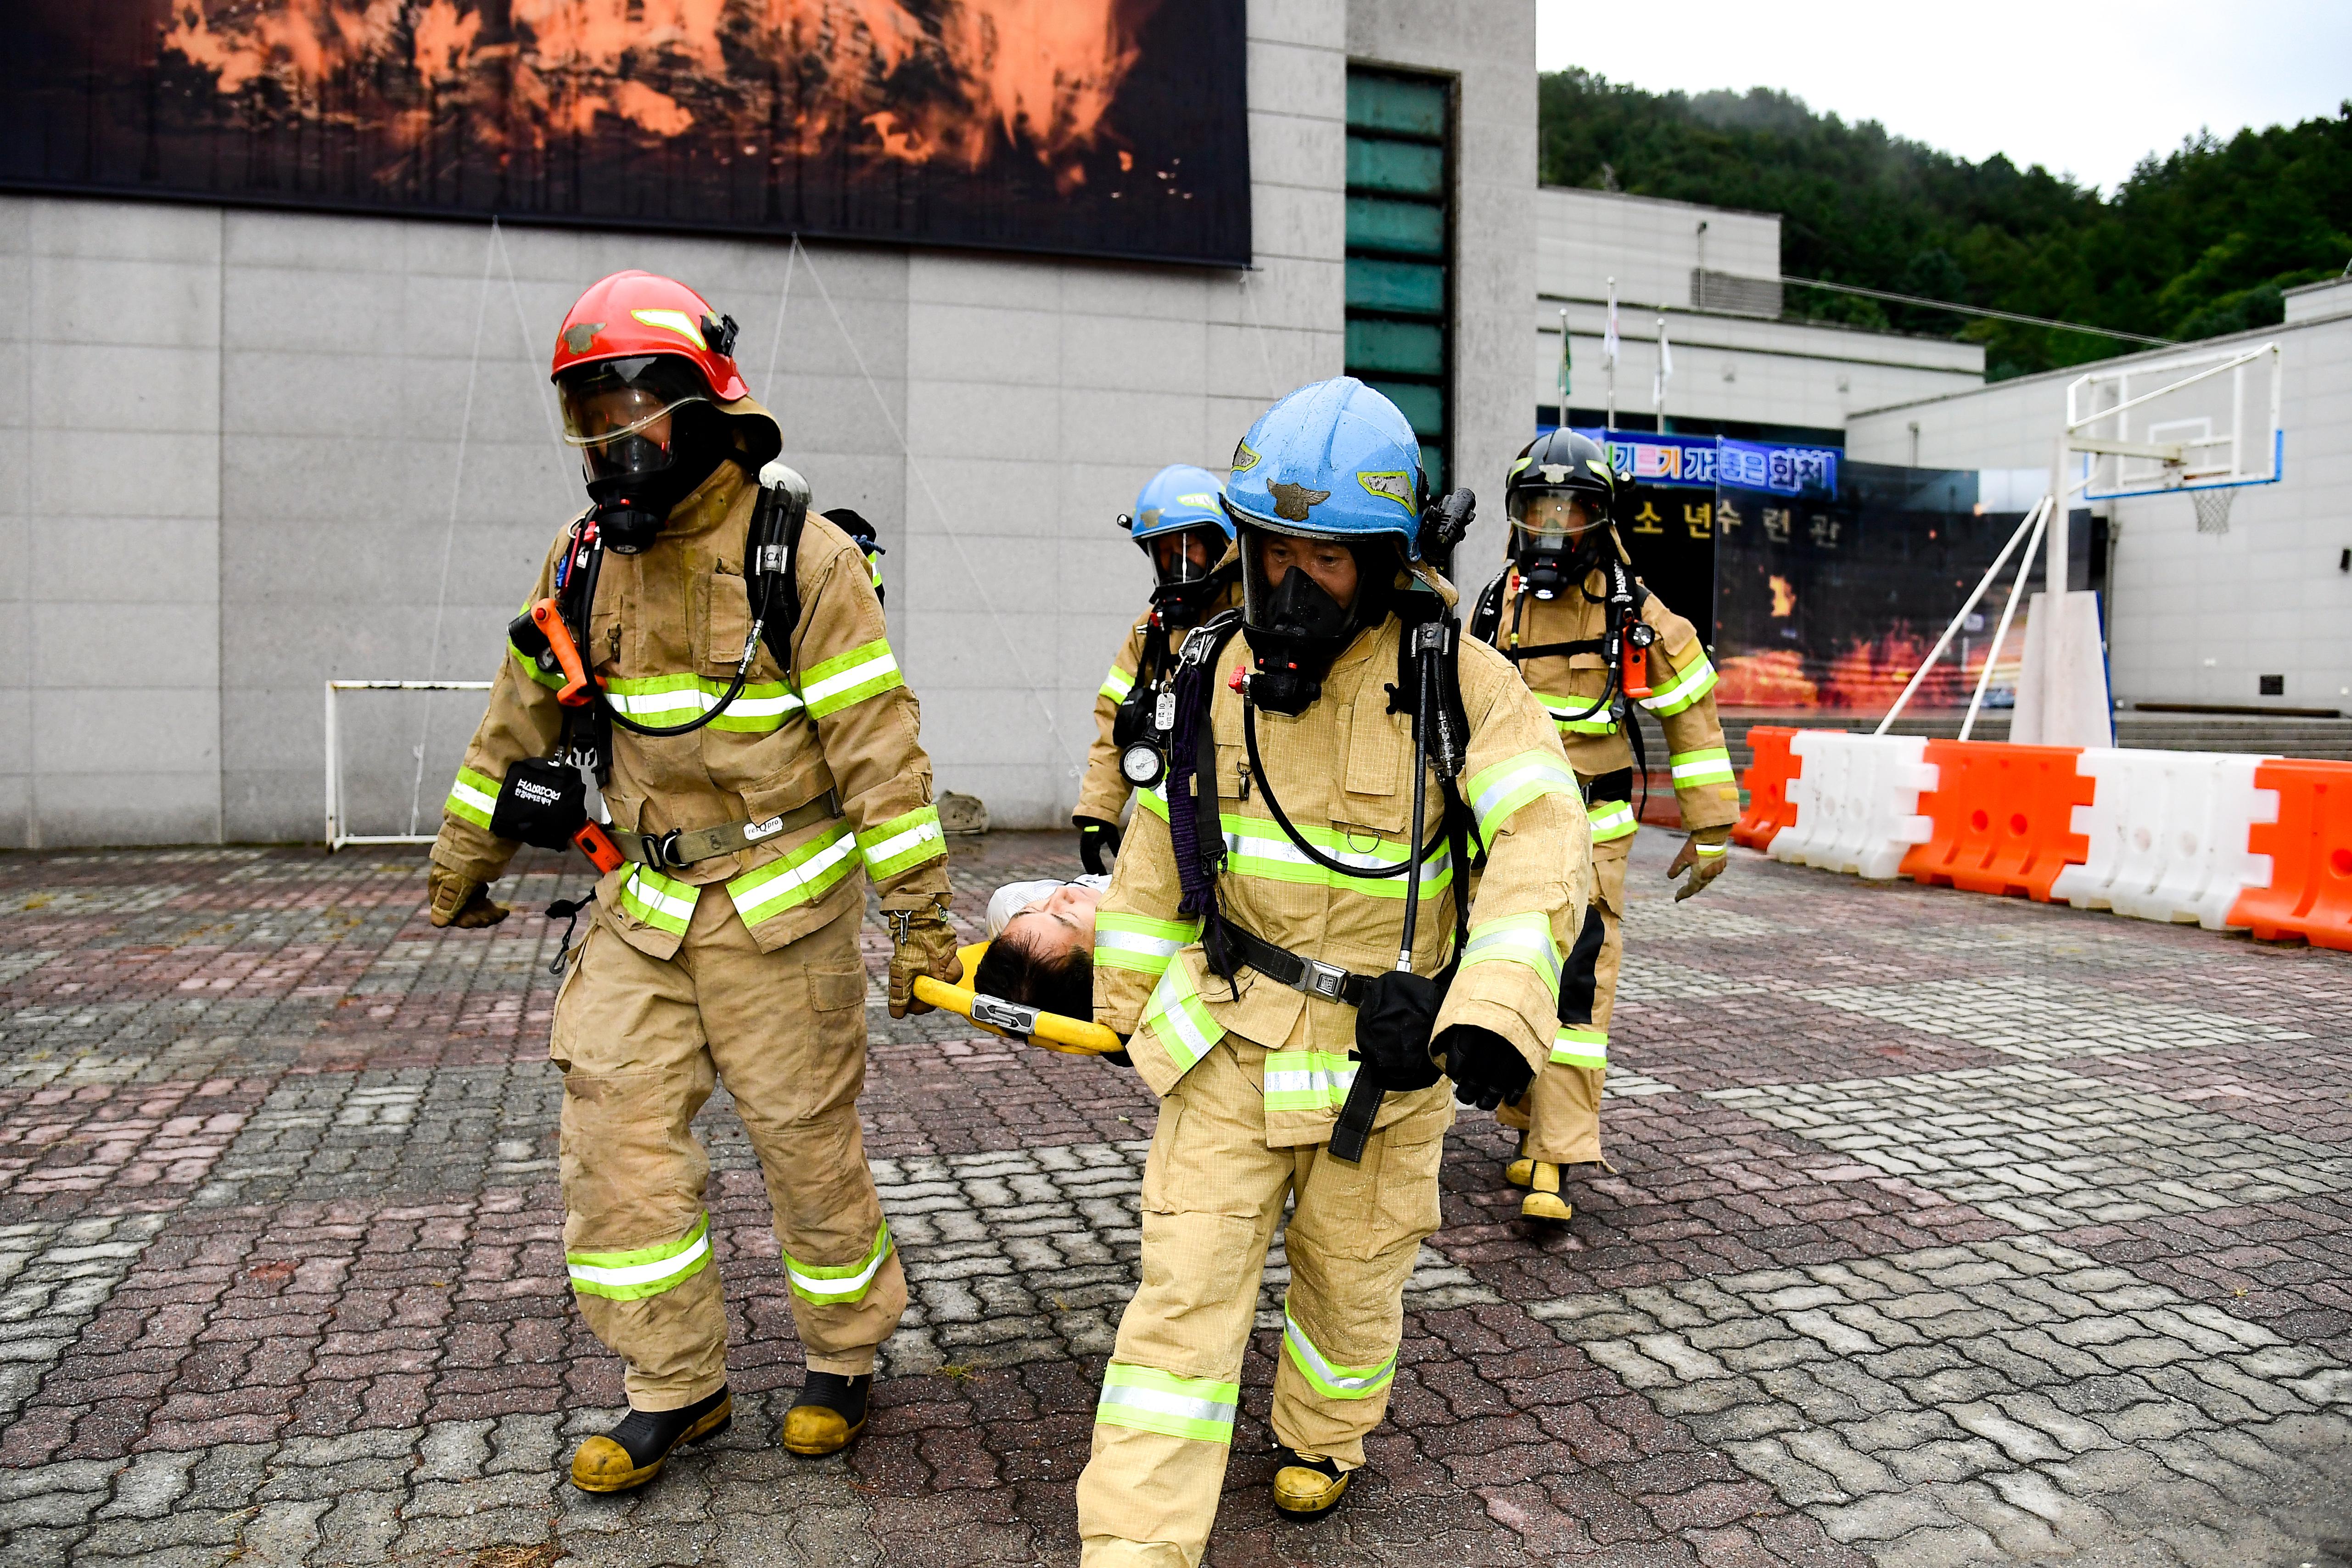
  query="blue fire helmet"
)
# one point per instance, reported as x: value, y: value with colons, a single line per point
x: 1335, y: 460
x: 1179, y: 497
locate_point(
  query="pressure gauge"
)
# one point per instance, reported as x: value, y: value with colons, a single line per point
x: 1141, y: 764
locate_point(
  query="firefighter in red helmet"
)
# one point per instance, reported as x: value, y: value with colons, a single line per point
x: 714, y: 653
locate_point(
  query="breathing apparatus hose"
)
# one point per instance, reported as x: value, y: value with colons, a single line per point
x: 1265, y: 784
x: 757, y: 539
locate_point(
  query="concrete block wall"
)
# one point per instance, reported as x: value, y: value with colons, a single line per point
x: 247, y: 452
x: 2193, y: 617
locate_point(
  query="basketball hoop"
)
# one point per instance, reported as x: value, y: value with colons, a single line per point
x: 2213, y: 509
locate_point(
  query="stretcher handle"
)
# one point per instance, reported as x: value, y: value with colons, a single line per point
x: 1052, y: 1031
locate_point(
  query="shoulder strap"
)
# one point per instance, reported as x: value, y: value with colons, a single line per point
x: 1487, y: 615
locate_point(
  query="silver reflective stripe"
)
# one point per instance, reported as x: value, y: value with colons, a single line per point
x: 1135, y: 941
x: 1160, y: 1402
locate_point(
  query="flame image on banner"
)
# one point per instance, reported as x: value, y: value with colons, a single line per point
x: 1094, y: 125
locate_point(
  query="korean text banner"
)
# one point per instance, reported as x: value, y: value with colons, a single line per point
x: 1700, y: 462
x: 1097, y: 127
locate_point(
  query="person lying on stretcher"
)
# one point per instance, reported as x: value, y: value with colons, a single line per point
x: 1041, y: 947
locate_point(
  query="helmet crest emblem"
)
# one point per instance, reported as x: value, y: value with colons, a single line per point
x: 1556, y: 473
x: 1291, y: 501
x: 581, y: 335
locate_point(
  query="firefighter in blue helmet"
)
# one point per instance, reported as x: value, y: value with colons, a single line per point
x: 1180, y: 523
x: 1294, y: 946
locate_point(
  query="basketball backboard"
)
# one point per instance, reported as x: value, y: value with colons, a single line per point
x: 2192, y: 422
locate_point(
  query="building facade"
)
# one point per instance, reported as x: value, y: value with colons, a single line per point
x: 1712, y: 275
x: 247, y: 452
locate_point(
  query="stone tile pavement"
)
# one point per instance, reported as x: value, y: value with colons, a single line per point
x: 1941, y: 1229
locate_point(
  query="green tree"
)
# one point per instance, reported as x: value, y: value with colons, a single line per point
x: 2197, y: 242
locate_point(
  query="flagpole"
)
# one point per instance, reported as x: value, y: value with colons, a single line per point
x: 1563, y: 367
x: 1658, y: 382
x: 1609, y: 354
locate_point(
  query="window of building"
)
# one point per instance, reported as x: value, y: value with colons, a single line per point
x: 1400, y: 249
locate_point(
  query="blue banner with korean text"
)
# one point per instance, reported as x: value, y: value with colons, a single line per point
x: 1701, y: 462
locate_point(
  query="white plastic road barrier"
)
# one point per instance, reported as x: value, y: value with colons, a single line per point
x: 1857, y: 802
x: 2167, y: 832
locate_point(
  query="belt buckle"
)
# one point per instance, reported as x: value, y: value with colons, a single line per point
x: 1321, y: 979
x: 666, y: 847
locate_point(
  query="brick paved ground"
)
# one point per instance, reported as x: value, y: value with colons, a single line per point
x: 1943, y: 1229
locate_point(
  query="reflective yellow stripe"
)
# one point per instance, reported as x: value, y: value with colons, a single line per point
x: 1612, y: 819
x: 803, y: 875
x: 1565, y: 711
x: 1581, y: 1045
x: 1177, y: 1020
x: 1257, y: 846
x: 1707, y: 765
x: 646, y: 1271
x: 473, y: 797
x: 1688, y: 687
x: 902, y: 842
x: 1139, y: 943
x: 1117, y: 684
x: 1496, y: 792
x: 842, y: 1285
x: 1307, y: 1081
x: 657, y: 901
x: 1524, y: 939
x: 1150, y: 1399
x: 851, y: 677
x: 761, y: 706
x: 1328, y: 1377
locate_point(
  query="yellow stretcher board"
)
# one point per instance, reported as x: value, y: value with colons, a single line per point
x: 1052, y: 1031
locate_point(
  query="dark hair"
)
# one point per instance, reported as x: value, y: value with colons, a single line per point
x: 1063, y: 984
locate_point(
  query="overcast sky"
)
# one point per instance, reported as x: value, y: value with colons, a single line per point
x: 2084, y: 88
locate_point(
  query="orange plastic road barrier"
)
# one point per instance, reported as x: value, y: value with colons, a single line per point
x: 2003, y: 817
x: 2310, y: 846
x: 1766, y: 784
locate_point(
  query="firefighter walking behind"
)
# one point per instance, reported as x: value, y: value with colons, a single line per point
x: 1592, y: 642
x: 1292, y: 941
x: 1179, y: 523
x: 714, y: 655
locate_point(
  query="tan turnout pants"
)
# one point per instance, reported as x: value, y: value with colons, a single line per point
x: 1560, y: 1112
x: 1212, y: 1193
x: 641, y: 1041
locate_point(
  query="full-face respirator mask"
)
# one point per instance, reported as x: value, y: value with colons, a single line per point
x: 1293, y: 623
x: 647, y: 434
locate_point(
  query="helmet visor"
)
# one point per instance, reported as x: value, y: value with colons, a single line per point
x: 1268, y: 557
x: 1184, y: 557
x: 620, y: 413
x: 1553, y: 518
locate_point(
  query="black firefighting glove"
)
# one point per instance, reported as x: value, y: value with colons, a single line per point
x: 1709, y: 850
x: 922, y: 943
x: 453, y: 899
x: 1095, y: 836
x: 1393, y: 1026
x: 1487, y: 1069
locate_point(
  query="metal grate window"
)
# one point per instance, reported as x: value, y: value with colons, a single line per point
x: 1400, y: 249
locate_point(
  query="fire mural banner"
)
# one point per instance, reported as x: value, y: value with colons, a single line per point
x: 1830, y: 597
x: 1094, y: 127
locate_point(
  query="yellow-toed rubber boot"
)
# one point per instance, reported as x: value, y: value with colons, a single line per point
x: 1521, y: 1171
x: 1305, y: 1487
x: 634, y: 1452
x: 1543, y: 1200
x: 828, y: 1415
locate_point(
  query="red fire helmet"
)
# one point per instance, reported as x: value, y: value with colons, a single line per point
x: 632, y: 315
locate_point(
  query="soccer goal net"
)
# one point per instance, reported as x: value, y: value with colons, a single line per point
x: 393, y: 746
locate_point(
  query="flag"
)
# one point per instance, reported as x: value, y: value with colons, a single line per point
x: 1666, y: 351
x: 1608, y: 333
